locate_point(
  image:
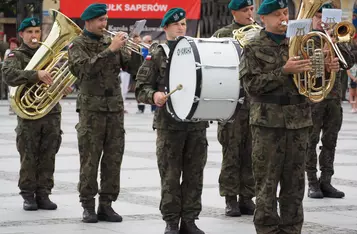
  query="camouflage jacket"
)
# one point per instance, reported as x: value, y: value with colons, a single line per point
x: 150, y: 79
x: 97, y: 69
x: 275, y: 100
x: 227, y: 31
x: 14, y: 74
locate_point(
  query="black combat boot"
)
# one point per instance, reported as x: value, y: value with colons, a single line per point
x: 29, y: 202
x: 232, y: 207
x: 89, y: 215
x: 171, y: 228
x: 189, y: 227
x: 328, y: 190
x: 106, y: 213
x: 314, y: 186
x: 246, y: 206
x: 44, y: 202
x: 314, y: 190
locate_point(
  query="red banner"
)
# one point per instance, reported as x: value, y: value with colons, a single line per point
x: 133, y: 9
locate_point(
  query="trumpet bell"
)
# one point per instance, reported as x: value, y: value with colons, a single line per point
x: 344, y: 31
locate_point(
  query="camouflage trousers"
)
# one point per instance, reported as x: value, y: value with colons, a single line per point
x: 278, y: 156
x: 38, y: 142
x: 326, y: 117
x: 181, y: 153
x: 100, y: 141
x: 236, y: 176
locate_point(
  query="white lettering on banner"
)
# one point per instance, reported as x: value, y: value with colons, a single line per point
x: 124, y: 28
x: 144, y: 7
x: 114, y: 7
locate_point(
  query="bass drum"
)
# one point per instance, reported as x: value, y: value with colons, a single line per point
x: 208, y: 70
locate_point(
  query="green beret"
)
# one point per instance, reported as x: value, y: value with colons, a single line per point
x: 28, y: 22
x: 268, y: 6
x: 326, y: 5
x: 239, y: 4
x: 173, y: 15
x: 93, y: 11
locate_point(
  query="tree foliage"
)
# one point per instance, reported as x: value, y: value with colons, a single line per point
x: 8, y: 7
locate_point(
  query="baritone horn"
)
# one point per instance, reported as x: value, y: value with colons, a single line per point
x: 34, y: 101
x: 130, y: 45
x: 316, y: 83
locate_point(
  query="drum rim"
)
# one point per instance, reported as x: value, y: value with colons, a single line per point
x: 198, y: 78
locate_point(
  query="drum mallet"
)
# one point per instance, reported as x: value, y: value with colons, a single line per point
x: 178, y: 87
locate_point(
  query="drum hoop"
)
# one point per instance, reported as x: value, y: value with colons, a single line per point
x: 239, y: 106
x: 198, y: 78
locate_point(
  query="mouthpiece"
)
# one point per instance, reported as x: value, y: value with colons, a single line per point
x: 284, y: 23
x: 34, y: 40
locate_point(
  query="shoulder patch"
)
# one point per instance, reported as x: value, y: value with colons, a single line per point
x: 148, y: 57
x: 10, y: 55
x: 70, y: 45
x: 144, y: 71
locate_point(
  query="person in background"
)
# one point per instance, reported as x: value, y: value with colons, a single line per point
x: 14, y: 43
x: 352, y: 74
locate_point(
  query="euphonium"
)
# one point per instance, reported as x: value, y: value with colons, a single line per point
x: 130, y: 45
x: 244, y: 34
x: 34, y: 101
x: 313, y: 84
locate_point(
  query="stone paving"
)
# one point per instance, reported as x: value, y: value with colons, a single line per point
x: 140, y: 185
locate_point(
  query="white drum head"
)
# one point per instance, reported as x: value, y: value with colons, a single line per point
x: 182, y: 71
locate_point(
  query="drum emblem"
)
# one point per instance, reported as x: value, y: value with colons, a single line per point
x: 184, y: 51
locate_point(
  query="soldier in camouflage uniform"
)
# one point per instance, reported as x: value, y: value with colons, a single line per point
x: 326, y: 117
x: 97, y: 62
x: 236, y: 176
x: 181, y: 147
x: 280, y: 119
x: 37, y: 141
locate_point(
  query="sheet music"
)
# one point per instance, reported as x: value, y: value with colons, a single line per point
x: 138, y: 28
x: 331, y: 16
x: 298, y: 27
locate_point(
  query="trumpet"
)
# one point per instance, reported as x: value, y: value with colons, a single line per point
x: 130, y: 45
x: 342, y: 32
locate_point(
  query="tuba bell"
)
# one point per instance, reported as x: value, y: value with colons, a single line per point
x: 314, y: 84
x: 34, y: 101
x: 244, y: 34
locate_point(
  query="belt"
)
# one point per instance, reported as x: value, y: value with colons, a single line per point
x: 101, y: 92
x: 280, y: 100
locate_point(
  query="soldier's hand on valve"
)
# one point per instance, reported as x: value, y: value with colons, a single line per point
x: 160, y: 99
x: 67, y: 91
x: 118, y: 41
x: 45, y: 77
x: 333, y: 66
x: 296, y: 65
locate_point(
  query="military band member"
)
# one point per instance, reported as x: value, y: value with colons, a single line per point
x: 97, y: 62
x: 280, y: 119
x: 37, y: 141
x: 327, y: 118
x: 236, y: 176
x: 181, y: 147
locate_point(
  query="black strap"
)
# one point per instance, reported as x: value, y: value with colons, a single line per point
x: 280, y: 100
x: 100, y: 92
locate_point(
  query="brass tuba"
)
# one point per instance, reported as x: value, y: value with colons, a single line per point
x: 34, y: 101
x: 244, y: 34
x: 313, y: 84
